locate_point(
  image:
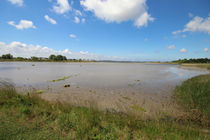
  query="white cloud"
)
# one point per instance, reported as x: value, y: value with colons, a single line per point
x: 183, y: 50
x: 177, y: 32
x: 23, y: 24
x: 16, y: 2
x: 143, y: 20
x: 171, y: 47
x: 24, y: 50
x: 83, y: 53
x: 76, y: 20
x: 62, y: 7
x: 2, y: 44
x: 83, y: 20
x: 18, y: 49
x: 119, y: 10
x: 72, y: 36
x: 78, y: 13
x: 50, y: 19
x: 197, y: 24
x: 206, y: 50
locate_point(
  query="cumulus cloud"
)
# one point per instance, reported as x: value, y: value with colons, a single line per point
x: 83, y: 53
x: 206, y: 50
x: 52, y: 21
x: 119, y: 10
x: 23, y: 24
x: 183, y: 50
x: 24, y: 50
x: 19, y: 49
x: 197, y: 24
x: 16, y: 2
x: 72, y: 36
x: 62, y: 7
x: 171, y: 47
x: 76, y: 19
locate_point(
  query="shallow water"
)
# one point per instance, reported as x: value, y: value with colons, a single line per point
x: 115, y: 86
x: 148, y: 77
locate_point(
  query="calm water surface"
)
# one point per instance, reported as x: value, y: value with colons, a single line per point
x: 147, y: 77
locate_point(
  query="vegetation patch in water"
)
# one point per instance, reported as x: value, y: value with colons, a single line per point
x: 131, y: 85
x: 61, y: 79
x: 64, y: 78
x: 40, y: 91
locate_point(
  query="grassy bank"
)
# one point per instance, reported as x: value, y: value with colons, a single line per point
x: 29, y: 117
x: 199, y: 65
x: 194, y: 96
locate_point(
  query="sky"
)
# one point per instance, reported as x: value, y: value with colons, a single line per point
x: 124, y: 30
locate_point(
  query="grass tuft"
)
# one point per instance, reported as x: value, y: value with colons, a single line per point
x: 137, y: 108
x: 40, y: 91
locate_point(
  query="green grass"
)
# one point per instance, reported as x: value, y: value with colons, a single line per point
x: 199, y: 65
x: 64, y: 78
x: 29, y: 117
x: 126, y: 98
x: 61, y: 79
x: 194, y: 95
x: 137, y: 108
x: 40, y: 91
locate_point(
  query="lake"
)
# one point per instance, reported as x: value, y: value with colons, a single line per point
x: 107, y: 83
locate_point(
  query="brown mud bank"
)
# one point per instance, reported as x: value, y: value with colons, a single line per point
x: 124, y: 100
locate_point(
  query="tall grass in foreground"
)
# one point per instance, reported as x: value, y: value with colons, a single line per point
x: 194, y: 95
x: 29, y: 117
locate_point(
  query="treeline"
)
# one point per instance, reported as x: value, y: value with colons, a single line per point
x: 199, y: 60
x: 51, y: 58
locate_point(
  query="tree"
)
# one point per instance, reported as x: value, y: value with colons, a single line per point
x: 57, y: 58
x: 33, y: 58
x: 52, y: 57
x: 7, y: 56
x: 20, y: 58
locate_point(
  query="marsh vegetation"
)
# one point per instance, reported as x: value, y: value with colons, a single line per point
x: 194, y: 96
x: 30, y: 117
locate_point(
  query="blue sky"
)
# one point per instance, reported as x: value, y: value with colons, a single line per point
x: 109, y: 29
